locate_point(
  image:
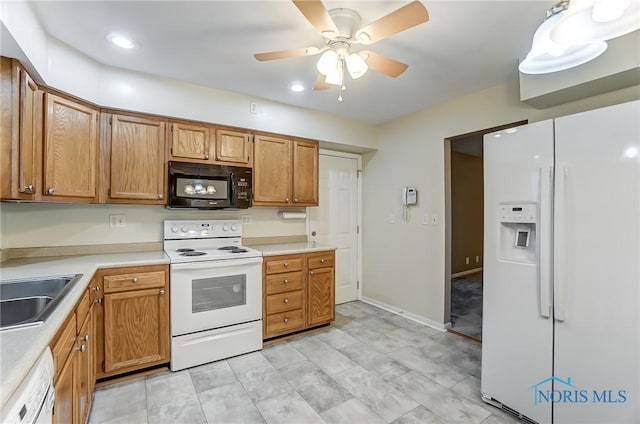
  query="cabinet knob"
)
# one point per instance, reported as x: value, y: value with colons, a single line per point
x: 286, y: 301
x: 161, y: 291
x: 51, y: 190
x: 218, y: 157
x: 160, y: 196
x: 286, y: 320
x: 206, y: 156
x: 82, y: 348
x: 286, y: 200
x: 84, y: 338
x: 311, y: 272
x: 134, y: 279
x: 295, y: 199
x: 286, y: 264
x: 96, y: 288
x: 99, y: 300
x: 26, y: 189
x: 322, y: 260
x: 286, y: 281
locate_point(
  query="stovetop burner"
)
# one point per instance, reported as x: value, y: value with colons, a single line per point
x: 184, y: 249
x: 233, y: 249
x: 192, y: 253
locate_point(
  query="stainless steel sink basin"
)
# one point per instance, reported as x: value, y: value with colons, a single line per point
x: 30, y: 301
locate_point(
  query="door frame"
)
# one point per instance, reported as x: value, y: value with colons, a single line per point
x: 358, y: 158
x: 447, y: 209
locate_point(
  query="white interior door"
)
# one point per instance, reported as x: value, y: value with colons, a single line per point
x: 335, y: 221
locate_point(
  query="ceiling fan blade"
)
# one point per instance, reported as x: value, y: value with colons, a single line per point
x: 320, y: 84
x: 282, y: 54
x: 317, y: 15
x: 384, y: 64
x: 404, y: 18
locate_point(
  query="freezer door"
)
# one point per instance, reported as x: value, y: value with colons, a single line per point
x: 597, y: 266
x: 517, y: 325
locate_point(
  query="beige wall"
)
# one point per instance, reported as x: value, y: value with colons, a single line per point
x: 466, y: 211
x: 404, y: 263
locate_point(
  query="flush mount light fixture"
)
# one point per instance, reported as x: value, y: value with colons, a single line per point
x: 575, y: 32
x: 121, y: 41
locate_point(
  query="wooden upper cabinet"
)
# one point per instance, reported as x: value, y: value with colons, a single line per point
x: 233, y: 147
x: 305, y: 173
x: 190, y: 141
x: 20, y: 132
x: 70, y: 160
x: 138, y: 166
x: 272, y: 171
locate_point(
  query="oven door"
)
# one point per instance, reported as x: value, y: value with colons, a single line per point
x: 212, y: 294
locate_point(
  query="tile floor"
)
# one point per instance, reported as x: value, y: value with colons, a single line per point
x: 371, y: 367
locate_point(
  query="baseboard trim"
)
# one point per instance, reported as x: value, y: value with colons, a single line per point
x: 408, y: 315
x: 467, y: 272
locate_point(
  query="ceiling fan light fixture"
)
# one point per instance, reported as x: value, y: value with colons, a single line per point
x: 587, y: 21
x: 335, y: 77
x: 356, y: 65
x: 328, y: 62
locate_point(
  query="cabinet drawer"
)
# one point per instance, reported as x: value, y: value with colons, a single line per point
x: 133, y: 281
x: 284, y: 282
x: 284, y: 265
x: 282, y: 302
x: 323, y: 260
x: 284, y: 322
x: 63, y: 345
x: 82, y: 310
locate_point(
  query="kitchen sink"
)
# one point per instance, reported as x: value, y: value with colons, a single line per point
x: 30, y: 301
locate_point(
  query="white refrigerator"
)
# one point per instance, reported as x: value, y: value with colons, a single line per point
x: 561, y: 322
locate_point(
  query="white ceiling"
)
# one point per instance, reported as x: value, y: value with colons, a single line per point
x: 466, y: 46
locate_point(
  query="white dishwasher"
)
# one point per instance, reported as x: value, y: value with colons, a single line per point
x: 32, y: 402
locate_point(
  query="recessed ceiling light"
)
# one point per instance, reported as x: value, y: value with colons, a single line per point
x: 121, y: 41
x: 296, y: 86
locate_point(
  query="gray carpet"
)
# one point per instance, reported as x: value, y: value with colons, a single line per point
x: 466, y: 304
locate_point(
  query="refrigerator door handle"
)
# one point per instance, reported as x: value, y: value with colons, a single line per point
x: 560, y: 246
x: 544, y: 252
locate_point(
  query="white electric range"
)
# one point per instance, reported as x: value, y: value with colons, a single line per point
x: 216, y: 292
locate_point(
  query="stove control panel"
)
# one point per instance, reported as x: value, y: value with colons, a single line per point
x: 177, y: 230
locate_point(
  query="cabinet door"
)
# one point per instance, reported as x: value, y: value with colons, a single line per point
x: 136, y: 329
x: 320, y: 296
x: 271, y: 171
x: 84, y: 378
x: 70, y: 149
x: 137, y: 160
x: 233, y: 147
x: 64, y: 407
x: 190, y: 141
x: 305, y: 173
x: 20, y: 136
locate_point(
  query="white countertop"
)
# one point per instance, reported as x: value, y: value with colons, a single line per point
x: 291, y: 248
x: 20, y: 348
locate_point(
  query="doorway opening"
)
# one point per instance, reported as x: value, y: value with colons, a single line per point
x: 465, y: 231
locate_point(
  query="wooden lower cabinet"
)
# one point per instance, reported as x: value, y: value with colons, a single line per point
x: 132, y: 319
x: 73, y: 361
x: 298, y: 292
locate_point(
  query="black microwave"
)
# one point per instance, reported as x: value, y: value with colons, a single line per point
x: 207, y: 186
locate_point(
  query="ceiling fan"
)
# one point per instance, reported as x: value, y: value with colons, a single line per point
x: 342, y: 31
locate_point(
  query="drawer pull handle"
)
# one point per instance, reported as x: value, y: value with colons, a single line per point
x: 134, y: 279
x: 322, y: 260
x: 286, y: 300
x: 286, y: 281
x: 286, y: 320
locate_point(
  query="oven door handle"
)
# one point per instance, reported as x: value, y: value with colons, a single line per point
x: 221, y: 263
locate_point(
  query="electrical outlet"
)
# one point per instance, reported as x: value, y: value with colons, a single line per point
x: 466, y: 260
x: 246, y: 219
x: 117, y: 221
x: 253, y: 108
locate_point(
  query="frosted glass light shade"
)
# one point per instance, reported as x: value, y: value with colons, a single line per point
x: 336, y: 75
x: 328, y: 62
x: 356, y: 65
x: 586, y: 21
x: 546, y: 56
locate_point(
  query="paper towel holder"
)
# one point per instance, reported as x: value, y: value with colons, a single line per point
x: 292, y: 215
